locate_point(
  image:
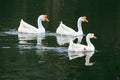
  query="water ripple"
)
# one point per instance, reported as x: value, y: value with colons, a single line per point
x: 42, y: 48
x: 15, y: 32
x: 11, y: 32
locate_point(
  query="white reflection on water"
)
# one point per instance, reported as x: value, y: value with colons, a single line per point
x: 24, y: 38
x: 40, y: 46
x: 43, y: 48
x: 50, y: 33
x: 87, y: 54
x: 62, y: 39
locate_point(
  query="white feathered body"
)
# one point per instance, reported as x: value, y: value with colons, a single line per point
x: 81, y: 47
x: 27, y: 28
x: 65, y: 30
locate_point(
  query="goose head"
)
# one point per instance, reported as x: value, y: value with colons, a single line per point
x: 91, y: 35
x: 43, y: 18
x: 83, y: 19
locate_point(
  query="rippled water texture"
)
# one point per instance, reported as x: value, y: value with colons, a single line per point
x: 46, y: 56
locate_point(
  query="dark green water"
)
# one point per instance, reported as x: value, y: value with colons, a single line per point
x: 50, y: 61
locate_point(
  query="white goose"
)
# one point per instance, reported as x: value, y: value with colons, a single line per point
x: 27, y: 28
x: 80, y: 47
x: 65, y: 30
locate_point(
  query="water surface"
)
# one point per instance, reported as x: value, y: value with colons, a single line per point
x: 43, y: 57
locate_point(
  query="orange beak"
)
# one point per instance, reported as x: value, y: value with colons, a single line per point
x: 85, y: 20
x: 46, y: 18
x: 94, y: 37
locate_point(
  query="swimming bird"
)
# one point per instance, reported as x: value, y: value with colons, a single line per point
x: 27, y: 28
x: 65, y: 30
x: 81, y: 47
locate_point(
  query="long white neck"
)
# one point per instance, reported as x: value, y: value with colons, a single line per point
x: 79, y: 25
x: 89, y: 44
x: 40, y: 26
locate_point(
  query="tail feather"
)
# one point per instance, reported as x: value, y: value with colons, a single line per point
x: 61, y: 22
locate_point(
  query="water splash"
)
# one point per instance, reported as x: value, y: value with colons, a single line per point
x: 50, y: 33
x: 11, y: 32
